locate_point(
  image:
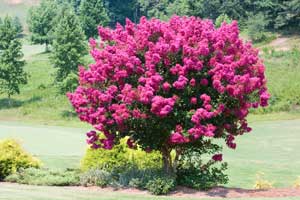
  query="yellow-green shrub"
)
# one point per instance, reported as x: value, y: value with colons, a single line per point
x: 120, y: 156
x: 14, y: 157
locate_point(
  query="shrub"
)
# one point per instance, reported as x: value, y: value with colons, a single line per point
x: 159, y: 186
x: 138, y: 177
x: 194, y: 172
x: 121, y: 157
x: 13, y: 157
x: 96, y: 177
x: 164, y: 84
x: 261, y: 183
x: 45, y: 177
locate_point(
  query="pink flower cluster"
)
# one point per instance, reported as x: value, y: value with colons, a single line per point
x: 183, y: 77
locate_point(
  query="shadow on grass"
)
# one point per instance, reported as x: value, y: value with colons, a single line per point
x: 13, y: 103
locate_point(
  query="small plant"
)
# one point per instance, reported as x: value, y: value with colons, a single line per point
x: 45, y: 177
x: 261, y: 183
x: 96, y: 178
x: 160, y: 186
x: 297, y: 183
x: 136, y: 183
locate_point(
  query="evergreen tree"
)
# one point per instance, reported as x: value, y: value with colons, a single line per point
x: 40, y: 21
x: 18, y: 25
x: 119, y: 10
x: 69, y: 45
x: 11, y: 64
x: 154, y: 8
x: 289, y: 15
x: 92, y: 13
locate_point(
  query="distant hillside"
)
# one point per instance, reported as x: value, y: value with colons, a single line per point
x: 16, y: 8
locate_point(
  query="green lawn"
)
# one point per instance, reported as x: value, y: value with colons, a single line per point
x: 22, y: 192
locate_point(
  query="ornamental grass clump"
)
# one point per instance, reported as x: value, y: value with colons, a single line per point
x: 166, y: 84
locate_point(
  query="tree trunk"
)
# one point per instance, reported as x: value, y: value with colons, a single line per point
x: 9, y: 100
x: 167, y: 160
x: 47, y: 47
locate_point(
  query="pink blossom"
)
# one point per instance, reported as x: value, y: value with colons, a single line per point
x: 217, y: 157
x: 151, y: 73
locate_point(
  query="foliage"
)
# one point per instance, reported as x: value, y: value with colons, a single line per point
x: 33, y: 176
x: 18, y: 25
x: 261, y: 183
x: 162, y: 185
x: 152, y: 83
x: 154, y: 8
x: 256, y: 27
x: 68, y: 45
x: 289, y: 14
x: 13, y: 158
x: 92, y: 14
x: 96, y: 177
x: 222, y: 18
x: 12, y: 74
x: 120, y: 157
x: 119, y: 10
x: 40, y: 20
x: 194, y: 172
x: 69, y: 84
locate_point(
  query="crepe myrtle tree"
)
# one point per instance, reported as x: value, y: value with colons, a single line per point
x: 169, y: 84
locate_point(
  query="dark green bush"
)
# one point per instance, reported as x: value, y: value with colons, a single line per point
x: 162, y: 185
x: 13, y: 157
x: 46, y: 177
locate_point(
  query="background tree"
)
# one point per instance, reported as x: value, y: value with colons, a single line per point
x: 11, y: 64
x: 69, y: 44
x: 119, y: 10
x: 40, y: 21
x: 289, y: 16
x: 18, y: 25
x: 257, y: 26
x: 178, y: 7
x: 222, y: 18
x: 154, y: 8
x: 92, y: 14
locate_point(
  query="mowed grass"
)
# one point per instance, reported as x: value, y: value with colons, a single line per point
x: 272, y: 148
x: 22, y: 192
x: 57, y: 147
